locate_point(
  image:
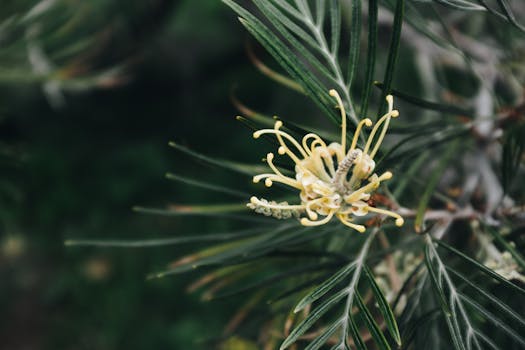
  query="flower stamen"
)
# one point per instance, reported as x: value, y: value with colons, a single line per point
x: 325, y: 190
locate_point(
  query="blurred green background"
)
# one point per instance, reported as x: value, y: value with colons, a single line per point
x: 74, y: 169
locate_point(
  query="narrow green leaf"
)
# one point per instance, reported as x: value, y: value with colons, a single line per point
x: 410, y: 332
x: 505, y: 7
x: 318, y: 342
x: 312, y: 317
x: 461, y: 5
x: 275, y: 278
x: 434, y: 106
x: 371, y: 324
x: 325, y: 287
x: 320, y: 10
x: 393, y: 51
x: 436, y: 281
x: 504, y: 309
x: 207, y: 185
x: 280, y: 22
x: 371, y: 55
x: 481, y: 267
x: 384, y: 307
x: 450, y: 319
x: 286, y: 58
x: 355, y: 42
x: 295, y: 68
x: 220, y: 211
x: 490, y: 317
x: 274, y: 14
x: 247, y: 169
x: 356, y: 334
x: 513, y: 150
x: 335, y: 22
x: 163, y: 241
x: 432, y: 184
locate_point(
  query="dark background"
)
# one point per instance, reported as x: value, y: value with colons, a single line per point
x: 76, y: 171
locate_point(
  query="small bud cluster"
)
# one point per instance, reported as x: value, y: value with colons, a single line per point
x: 270, y: 208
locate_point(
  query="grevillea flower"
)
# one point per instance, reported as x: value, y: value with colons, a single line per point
x: 333, y: 180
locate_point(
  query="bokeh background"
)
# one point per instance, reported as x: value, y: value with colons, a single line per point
x: 76, y: 159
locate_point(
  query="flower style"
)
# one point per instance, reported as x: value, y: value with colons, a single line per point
x: 329, y: 177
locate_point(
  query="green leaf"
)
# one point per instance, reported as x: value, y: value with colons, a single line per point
x: 513, y: 150
x: 438, y: 107
x: 439, y: 278
x: 356, y: 334
x: 505, y: 7
x: 490, y: 317
x: 371, y: 55
x: 384, y: 307
x: 325, y: 287
x: 481, y: 267
x: 143, y: 243
x: 371, y: 324
x: 461, y: 5
x: 318, y: 342
x: 206, y: 185
x: 312, y: 317
x: 335, y: 22
x: 393, y: 51
x: 355, y: 42
x: 349, y: 292
x: 503, y: 308
x: 247, y: 169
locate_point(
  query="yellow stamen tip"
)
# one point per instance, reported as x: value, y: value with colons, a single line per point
x: 360, y: 228
x: 256, y: 135
x: 387, y: 175
x: 304, y: 221
x: 395, y: 113
x: 281, y: 150
x: 269, y: 157
x: 255, y: 180
x: 399, y: 222
x: 268, y: 182
x: 253, y: 200
x: 278, y: 124
x: 389, y: 98
x: 332, y: 92
x: 368, y: 122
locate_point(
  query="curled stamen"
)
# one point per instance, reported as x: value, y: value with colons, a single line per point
x: 280, y: 134
x: 335, y: 94
x: 269, y: 160
x: 306, y: 222
x: 317, y: 140
x: 269, y: 178
x: 399, y: 219
x: 355, y: 196
x: 344, y: 219
x: 322, y: 174
x: 384, y: 119
x: 366, y: 122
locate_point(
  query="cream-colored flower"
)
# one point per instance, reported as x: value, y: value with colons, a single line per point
x: 329, y: 177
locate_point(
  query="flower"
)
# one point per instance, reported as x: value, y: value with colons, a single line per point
x: 329, y: 177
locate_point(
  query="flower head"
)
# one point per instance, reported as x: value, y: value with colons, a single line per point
x: 333, y: 180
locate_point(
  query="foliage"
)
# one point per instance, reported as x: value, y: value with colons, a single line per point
x: 452, y: 276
